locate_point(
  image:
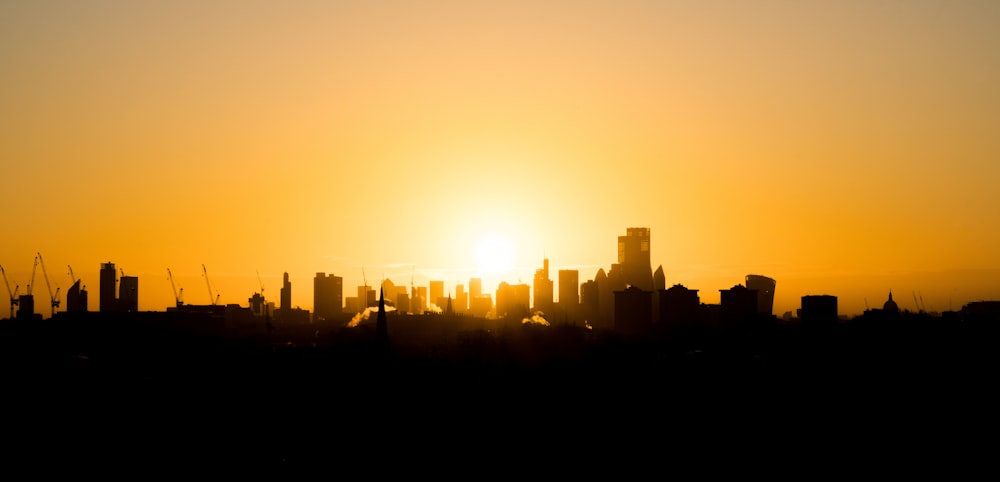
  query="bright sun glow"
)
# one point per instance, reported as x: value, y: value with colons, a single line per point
x: 494, y: 254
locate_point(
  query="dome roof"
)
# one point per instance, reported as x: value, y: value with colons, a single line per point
x: 890, y: 305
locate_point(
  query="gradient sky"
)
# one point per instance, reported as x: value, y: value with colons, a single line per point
x: 846, y: 148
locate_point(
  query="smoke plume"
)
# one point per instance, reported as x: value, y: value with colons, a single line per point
x: 364, y: 315
x: 537, y: 318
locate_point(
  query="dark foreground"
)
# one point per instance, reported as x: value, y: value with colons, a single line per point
x: 145, y: 401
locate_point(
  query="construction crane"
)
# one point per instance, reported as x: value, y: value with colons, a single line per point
x: 215, y: 300
x: 261, y: 284
x: 178, y: 295
x: 72, y: 277
x: 31, y: 286
x: 13, y: 294
x: 54, y: 297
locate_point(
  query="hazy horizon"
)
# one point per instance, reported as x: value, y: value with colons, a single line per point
x: 843, y: 148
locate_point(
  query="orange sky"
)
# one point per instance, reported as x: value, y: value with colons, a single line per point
x: 843, y: 148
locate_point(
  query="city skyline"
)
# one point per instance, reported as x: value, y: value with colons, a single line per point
x: 634, y: 260
x: 845, y: 148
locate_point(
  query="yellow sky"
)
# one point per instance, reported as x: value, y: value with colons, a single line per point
x: 843, y: 148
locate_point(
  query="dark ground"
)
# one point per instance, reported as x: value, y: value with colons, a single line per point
x: 101, y: 397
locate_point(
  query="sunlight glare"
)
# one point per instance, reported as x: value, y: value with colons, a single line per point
x: 494, y: 254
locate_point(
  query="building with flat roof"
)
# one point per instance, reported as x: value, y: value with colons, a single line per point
x: 328, y: 296
x: 633, y: 256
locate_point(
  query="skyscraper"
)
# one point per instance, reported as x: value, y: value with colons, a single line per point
x: 512, y: 300
x: 461, y: 303
x: 542, y: 287
x: 569, y: 292
x: 107, y: 296
x: 765, y: 292
x: 76, y: 298
x: 328, y: 296
x: 436, y: 293
x: 286, y: 294
x: 475, y: 288
x: 633, y: 256
x: 128, y: 294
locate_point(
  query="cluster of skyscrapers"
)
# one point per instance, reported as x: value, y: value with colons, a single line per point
x: 629, y: 295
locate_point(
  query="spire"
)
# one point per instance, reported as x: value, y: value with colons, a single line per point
x: 381, y: 330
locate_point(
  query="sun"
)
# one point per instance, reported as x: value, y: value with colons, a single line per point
x: 494, y: 254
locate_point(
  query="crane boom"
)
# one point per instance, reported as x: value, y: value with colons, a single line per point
x: 71, y: 275
x: 209, y: 284
x: 177, y: 296
x: 54, y: 297
x: 13, y: 294
x: 31, y: 286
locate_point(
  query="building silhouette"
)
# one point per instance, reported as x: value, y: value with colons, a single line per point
x: 513, y: 301
x: 381, y: 324
x: 480, y: 306
x: 606, y: 287
x: 633, y: 257
x: 738, y: 306
x: 633, y: 310
x: 128, y: 294
x: 107, y: 297
x: 423, y: 302
x: 366, y: 296
x: 475, y: 287
x: 25, y: 307
x: 402, y: 300
x: 390, y: 290
x: 461, y: 302
x: 569, y: 293
x: 890, y: 306
x: 76, y: 298
x: 590, y: 303
x: 437, y: 293
x: 543, y: 289
x: 765, y: 292
x: 659, y: 284
x: 285, y: 301
x: 328, y: 296
x: 818, y: 310
x: 678, y: 308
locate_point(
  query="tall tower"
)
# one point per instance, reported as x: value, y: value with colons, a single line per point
x: 128, y: 294
x: 475, y: 288
x: 76, y: 298
x: 107, y: 296
x: 436, y: 296
x: 381, y: 328
x: 765, y: 292
x: 633, y: 256
x: 543, y: 289
x: 286, y: 294
x: 328, y: 296
x: 569, y: 292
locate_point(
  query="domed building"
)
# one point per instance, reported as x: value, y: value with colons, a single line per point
x: 890, y: 306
